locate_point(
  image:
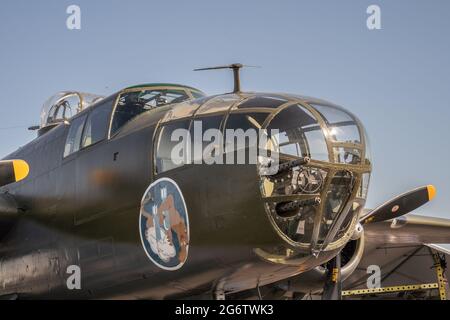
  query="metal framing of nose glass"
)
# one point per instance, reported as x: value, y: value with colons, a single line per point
x: 337, y: 223
x: 331, y: 167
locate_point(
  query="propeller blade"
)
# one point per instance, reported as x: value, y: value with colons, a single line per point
x: 400, y: 205
x: 13, y: 171
x: 333, y: 284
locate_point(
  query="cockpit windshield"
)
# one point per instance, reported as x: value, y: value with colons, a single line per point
x: 133, y: 103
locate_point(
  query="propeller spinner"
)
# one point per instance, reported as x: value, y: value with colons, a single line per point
x: 13, y: 171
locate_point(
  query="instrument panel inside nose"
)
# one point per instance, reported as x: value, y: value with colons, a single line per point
x: 315, y: 197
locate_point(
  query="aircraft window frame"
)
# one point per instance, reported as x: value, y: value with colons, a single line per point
x: 58, y: 113
x: 208, y: 122
x: 106, y: 106
x: 250, y: 120
x: 62, y: 101
x: 187, y: 91
x: 269, y: 101
x: 340, y: 123
x: 309, y: 138
x: 178, y: 124
x: 221, y: 117
x: 196, y: 94
x: 73, y: 123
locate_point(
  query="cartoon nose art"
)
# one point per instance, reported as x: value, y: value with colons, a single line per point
x: 164, y: 225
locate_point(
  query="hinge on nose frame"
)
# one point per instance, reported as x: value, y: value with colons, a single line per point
x: 315, y: 252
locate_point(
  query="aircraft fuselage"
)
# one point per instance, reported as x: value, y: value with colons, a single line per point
x: 84, y: 209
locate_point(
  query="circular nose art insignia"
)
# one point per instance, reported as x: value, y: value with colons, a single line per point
x: 164, y: 224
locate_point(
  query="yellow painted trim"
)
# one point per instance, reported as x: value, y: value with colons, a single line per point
x: 431, y: 192
x: 21, y: 169
x: 403, y: 288
x: 442, y: 281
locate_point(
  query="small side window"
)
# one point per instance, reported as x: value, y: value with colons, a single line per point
x: 73, y: 141
x: 210, y: 144
x: 173, y: 147
x: 97, y: 124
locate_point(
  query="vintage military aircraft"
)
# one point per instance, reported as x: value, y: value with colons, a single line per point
x: 97, y: 195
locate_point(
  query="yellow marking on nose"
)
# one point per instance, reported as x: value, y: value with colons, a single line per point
x: 21, y: 169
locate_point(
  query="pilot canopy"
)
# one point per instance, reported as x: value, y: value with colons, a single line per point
x: 64, y: 105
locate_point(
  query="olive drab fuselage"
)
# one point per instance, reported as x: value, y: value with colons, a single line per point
x: 84, y: 209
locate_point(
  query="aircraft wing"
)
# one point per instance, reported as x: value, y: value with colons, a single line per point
x: 409, y: 229
x: 405, y: 251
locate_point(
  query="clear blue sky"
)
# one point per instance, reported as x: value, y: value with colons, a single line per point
x: 396, y: 80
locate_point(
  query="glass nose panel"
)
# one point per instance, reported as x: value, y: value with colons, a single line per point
x: 341, y: 126
x: 337, y: 197
x: 344, y: 133
x: 299, y: 226
x: 300, y: 134
x: 313, y: 204
x: 347, y: 155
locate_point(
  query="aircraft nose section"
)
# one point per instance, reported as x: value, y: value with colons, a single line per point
x: 314, y: 196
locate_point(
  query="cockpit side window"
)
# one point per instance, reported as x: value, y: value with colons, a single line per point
x: 97, y: 123
x: 73, y: 141
x: 173, y: 146
x: 132, y: 104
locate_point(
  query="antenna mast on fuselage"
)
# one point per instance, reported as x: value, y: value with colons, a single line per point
x: 236, y: 67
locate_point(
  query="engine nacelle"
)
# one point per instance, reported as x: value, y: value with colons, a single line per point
x: 313, y: 281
